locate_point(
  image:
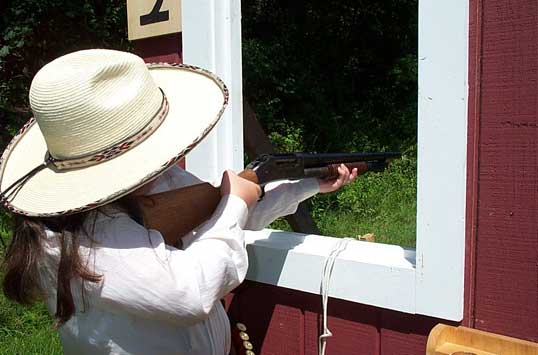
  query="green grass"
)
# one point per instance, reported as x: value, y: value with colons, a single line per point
x: 25, y: 330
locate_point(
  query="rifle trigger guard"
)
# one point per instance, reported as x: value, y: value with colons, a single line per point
x: 262, y: 194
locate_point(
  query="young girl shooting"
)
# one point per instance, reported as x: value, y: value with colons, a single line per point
x: 107, y: 127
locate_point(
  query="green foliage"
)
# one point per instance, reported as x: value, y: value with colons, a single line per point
x: 339, y: 77
x: 33, y: 32
x: 344, y: 72
x: 287, y: 139
x: 24, y: 330
x: 5, y: 222
x: 376, y: 194
x: 379, y: 203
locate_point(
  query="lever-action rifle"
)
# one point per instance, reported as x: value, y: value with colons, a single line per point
x: 174, y: 213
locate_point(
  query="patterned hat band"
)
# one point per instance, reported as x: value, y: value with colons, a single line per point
x: 117, y: 148
x: 97, y: 112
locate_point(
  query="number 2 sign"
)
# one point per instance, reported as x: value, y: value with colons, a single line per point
x: 151, y: 18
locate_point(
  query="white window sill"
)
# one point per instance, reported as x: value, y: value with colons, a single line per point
x: 376, y: 274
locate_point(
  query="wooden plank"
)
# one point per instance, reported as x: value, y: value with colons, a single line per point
x: 396, y: 343
x: 354, y: 327
x: 153, y: 18
x: 273, y: 318
x: 283, y: 321
x: 506, y: 291
x: 380, y: 274
x: 166, y: 49
x: 404, y: 334
x: 447, y: 340
x: 349, y: 337
x: 473, y: 133
x: 212, y: 40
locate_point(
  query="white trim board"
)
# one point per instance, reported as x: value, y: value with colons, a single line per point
x: 375, y: 274
x: 426, y: 281
x: 442, y: 156
x: 212, y: 40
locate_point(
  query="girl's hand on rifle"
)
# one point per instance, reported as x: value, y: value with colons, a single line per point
x: 344, y: 178
x: 243, y: 188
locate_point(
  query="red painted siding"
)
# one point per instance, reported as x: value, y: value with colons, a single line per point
x: 473, y: 132
x: 283, y: 321
x: 165, y: 49
x: 506, y: 250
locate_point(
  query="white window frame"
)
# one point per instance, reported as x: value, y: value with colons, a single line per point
x: 428, y: 280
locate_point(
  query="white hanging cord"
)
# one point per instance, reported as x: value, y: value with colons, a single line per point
x: 325, y: 283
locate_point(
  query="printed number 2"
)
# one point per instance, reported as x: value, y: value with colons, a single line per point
x: 156, y: 15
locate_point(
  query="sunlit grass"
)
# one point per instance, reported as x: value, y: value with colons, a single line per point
x: 24, y: 330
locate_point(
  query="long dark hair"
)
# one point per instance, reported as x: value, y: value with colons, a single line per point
x: 25, y: 252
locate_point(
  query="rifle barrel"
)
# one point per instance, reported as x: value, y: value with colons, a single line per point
x: 316, y: 160
x: 272, y: 167
x: 330, y: 171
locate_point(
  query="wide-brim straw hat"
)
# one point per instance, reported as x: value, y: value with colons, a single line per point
x: 104, y: 124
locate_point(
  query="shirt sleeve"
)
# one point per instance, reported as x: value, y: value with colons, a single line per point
x: 146, y: 278
x: 281, y: 199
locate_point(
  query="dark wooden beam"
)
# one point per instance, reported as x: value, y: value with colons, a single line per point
x: 256, y: 143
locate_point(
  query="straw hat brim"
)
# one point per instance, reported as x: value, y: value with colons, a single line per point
x: 196, y: 101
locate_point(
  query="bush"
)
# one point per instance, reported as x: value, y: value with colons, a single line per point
x: 343, y: 72
x: 379, y: 203
x: 33, y: 32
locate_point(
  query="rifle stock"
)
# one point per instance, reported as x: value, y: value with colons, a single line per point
x: 176, y: 212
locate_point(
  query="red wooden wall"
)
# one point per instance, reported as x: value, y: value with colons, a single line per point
x: 501, y: 281
x: 283, y: 321
x: 502, y: 233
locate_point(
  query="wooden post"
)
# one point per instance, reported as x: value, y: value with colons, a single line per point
x: 449, y: 340
x: 256, y: 143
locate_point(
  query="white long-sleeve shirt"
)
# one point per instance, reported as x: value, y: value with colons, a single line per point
x: 155, y: 299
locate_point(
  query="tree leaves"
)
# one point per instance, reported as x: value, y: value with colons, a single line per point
x: 344, y: 72
x: 33, y: 32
